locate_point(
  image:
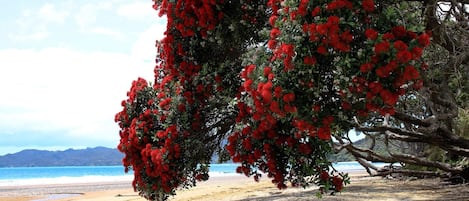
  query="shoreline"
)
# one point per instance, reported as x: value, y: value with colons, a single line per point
x: 241, y: 188
x: 49, y: 192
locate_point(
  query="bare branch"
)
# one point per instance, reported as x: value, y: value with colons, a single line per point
x: 411, y: 172
x: 410, y: 119
x: 423, y: 161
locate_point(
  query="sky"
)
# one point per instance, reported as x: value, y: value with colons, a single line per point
x: 65, y: 67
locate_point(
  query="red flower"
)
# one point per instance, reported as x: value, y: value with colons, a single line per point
x: 182, y: 107
x: 309, y: 60
x: 327, y: 121
x: 272, y: 20
x: 200, y: 88
x: 322, y: 50
x: 288, y: 49
x: 321, y: 29
x: 375, y: 87
x: 333, y: 20
x: 303, y: 6
x: 368, y: 5
x: 324, y: 176
x: 268, y: 85
x: 388, y: 97
x: 366, y: 67
x: 346, y: 37
x: 266, y: 95
x: 161, y: 134
x: 165, y: 102
x: 399, y: 45
x: 257, y: 134
x: 424, y: 39
x: 317, y: 108
x: 338, y: 183
x: 399, y: 31
x: 246, y: 130
x: 338, y: 4
x: 410, y: 73
x: 391, y: 66
x: 289, y: 97
x: 247, y: 144
x: 267, y: 71
x: 388, y: 36
x: 346, y: 106
x: 272, y: 44
x: 403, y: 56
x: 370, y: 107
x: 274, y: 33
x: 382, y: 47
x: 274, y: 107
x: 371, y: 34
x: 250, y: 68
x: 290, y: 109
x: 316, y: 11
x: 305, y: 149
x: 247, y: 85
x: 277, y: 91
x: 416, y: 52
x: 324, y: 133
x: 382, y: 72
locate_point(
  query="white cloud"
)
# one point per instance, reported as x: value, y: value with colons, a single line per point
x: 34, y: 36
x: 87, y: 13
x: 62, y: 97
x: 137, y: 10
x: 33, y: 24
x: 144, y: 48
x: 49, y: 13
x: 58, y: 89
x: 107, y: 32
x: 91, y: 17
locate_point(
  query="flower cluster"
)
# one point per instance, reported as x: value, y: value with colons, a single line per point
x: 154, y: 138
x: 329, y: 61
x: 391, y: 69
x: 147, y: 157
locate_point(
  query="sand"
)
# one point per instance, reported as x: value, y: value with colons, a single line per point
x: 245, y: 189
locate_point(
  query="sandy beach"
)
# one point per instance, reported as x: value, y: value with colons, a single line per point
x: 245, y: 189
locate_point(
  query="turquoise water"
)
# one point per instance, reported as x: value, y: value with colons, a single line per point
x: 82, y: 171
x: 73, y: 174
x: 64, y: 171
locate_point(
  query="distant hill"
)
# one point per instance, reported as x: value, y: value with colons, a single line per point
x: 380, y: 148
x: 107, y: 156
x: 71, y: 157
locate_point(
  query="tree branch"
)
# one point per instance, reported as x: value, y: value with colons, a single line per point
x: 408, y: 118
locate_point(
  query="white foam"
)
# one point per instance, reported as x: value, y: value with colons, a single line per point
x: 222, y: 174
x: 65, y: 180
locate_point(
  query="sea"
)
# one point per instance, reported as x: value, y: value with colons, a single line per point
x: 18, y: 176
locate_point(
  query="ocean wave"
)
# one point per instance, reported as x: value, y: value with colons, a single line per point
x: 64, y: 180
x: 222, y: 174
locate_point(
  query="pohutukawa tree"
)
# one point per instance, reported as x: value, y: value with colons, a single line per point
x: 429, y: 131
x: 268, y: 83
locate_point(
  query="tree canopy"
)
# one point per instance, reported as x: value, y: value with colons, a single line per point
x: 269, y: 84
x: 429, y: 131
